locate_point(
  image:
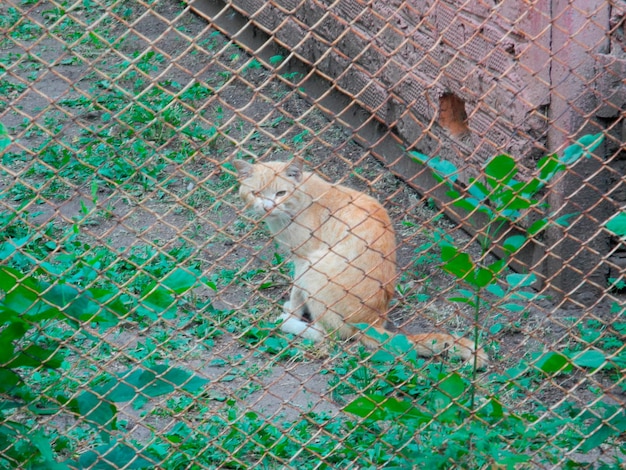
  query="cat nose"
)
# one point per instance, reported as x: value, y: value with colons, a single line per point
x: 268, y: 205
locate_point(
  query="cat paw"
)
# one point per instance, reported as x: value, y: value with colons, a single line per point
x: 297, y: 327
x: 284, y: 316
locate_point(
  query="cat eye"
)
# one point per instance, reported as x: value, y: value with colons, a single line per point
x: 281, y: 193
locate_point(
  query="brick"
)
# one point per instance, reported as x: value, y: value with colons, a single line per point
x: 391, y: 74
x: 260, y: 12
x: 412, y: 91
x: 309, y: 12
x: 289, y: 6
x: 350, y: 9
x: 389, y: 39
x: 290, y: 33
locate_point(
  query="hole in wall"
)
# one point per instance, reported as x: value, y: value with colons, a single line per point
x: 452, y: 114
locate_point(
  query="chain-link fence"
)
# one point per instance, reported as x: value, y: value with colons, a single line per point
x: 167, y: 304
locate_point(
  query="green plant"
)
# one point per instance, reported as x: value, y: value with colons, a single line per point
x: 407, y: 398
x: 501, y: 199
x: 5, y: 140
x: 19, y: 27
x: 51, y: 286
x: 27, y: 305
x: 411, y: 413
x: 261, y: 336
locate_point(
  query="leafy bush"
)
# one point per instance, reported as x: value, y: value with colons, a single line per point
x: 501, y: 199
x: 60, y: 295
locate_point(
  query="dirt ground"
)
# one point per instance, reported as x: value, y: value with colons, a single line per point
x: 192, y: 201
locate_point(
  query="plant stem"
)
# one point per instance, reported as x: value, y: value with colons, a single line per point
x: 476, y: 335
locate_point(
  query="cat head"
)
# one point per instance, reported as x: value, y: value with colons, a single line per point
x: 270, y: 188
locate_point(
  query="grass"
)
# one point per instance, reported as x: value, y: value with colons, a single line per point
x: 150, y: 300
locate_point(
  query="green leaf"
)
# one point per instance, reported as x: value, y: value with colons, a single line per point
x: 44, y: 445
x: 528, y: 189
x: 116, y: 390
x: 457, y: 264
x: 553, y: 362
x: 464, y: 296
x: 180, y: 280
x: 466, y: 293
x: 373, y: 332
x: 481, y: 277
x: 617, y: 224
x: 156, y: 301
x: 526, y: 295
x: 563, y: 221
x: 276, y: 59
x: 463, y: 300
x: 8, y: 380
x: 96, y: 412
x: 601, y: 428
x: 36, y: 356
x: 469, y: 204
x: 496, y: 290
x: 115, y: 456
x: 453, y: 385
x: 514, y: 243
x: 598, y: 436
x: 443, y: 168
x: 29, y: 289
x: 399, y: 345
x: 508, y: 200
x: 537, y: 227
x: 113, y: 308
x: 513, y: 307
x: 497, y: 266
x: 382, y: 408
x: 492, y: 409
x: 548, y: 167
x: 74, y: 303
x: 381, y: 356
x: 500, y: 170
x: 583, y: 147
x: 448, y: 251
x: 521, y: 280
x: 24, y: 296
x: 5, y: 140
x: 9, y: 404
x: 151, y: 381
x: 478, y: 190
x: 13, y: 331
x: 590, y: 358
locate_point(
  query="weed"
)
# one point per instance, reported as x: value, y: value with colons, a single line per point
x: 502, y: 199
x: 62, y: 292
x: 18, y: 26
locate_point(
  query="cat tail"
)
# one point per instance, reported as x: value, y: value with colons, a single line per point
x: 433, y: 344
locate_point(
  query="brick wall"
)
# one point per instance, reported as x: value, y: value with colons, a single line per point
x: 469, y: 80
x: 398, y: 58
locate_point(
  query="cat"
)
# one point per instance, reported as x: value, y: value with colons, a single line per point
x: 343, y: 246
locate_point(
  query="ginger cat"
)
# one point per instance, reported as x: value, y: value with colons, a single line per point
x: 344, y: 251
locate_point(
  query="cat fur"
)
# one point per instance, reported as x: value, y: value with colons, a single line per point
x: 344, y: 251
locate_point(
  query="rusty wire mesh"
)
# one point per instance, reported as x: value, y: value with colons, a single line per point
x: 140, y: 300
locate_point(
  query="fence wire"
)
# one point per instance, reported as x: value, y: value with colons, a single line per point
x: 148, y: 314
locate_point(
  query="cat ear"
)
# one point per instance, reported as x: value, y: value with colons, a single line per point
x: 294, y: 170
x: 243, y: 168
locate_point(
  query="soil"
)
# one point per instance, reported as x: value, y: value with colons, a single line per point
x: 193, y: 202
